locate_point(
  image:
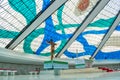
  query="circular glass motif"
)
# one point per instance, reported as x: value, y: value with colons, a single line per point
x: 83, y: 4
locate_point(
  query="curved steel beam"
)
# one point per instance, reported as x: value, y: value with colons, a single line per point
x: 52, y: 8
x: 106, y: 37
x: 85, y: 23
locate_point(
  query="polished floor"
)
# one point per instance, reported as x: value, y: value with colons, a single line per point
x: 76, y: 76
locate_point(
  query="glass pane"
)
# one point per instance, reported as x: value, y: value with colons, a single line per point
x: 59, y: 27
x: 94, y: 33
x: 14, y: 16
x: 111, y: 49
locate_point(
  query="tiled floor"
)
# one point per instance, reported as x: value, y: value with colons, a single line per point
x: 76, y: 76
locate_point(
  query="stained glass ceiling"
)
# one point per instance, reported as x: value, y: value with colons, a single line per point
x: 58, y: 28
x: 16, y: 15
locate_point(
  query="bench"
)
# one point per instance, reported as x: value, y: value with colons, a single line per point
x: 6, y: 71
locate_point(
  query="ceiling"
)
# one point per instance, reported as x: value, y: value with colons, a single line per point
x: 26, y: 25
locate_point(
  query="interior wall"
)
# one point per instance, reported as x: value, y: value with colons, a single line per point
x: 22, y: 69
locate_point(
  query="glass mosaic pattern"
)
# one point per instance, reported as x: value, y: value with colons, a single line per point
x: 15, y: 15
